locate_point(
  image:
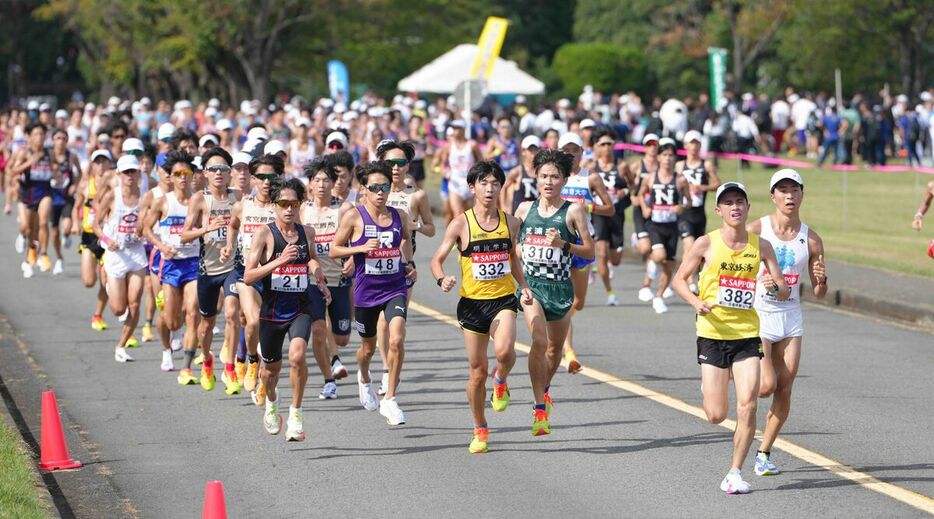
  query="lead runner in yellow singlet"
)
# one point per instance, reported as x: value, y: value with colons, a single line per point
x: 485, y: 236
x: 727, y: 324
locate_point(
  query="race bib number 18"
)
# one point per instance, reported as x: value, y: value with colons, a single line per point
x: 736, y: 292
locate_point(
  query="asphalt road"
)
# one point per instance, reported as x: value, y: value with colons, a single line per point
x: 863, y: 399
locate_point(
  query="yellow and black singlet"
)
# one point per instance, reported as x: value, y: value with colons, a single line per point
x: 728, y: 283
x: 485, y: 267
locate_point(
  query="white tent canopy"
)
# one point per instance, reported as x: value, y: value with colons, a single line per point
x: 442, y: 75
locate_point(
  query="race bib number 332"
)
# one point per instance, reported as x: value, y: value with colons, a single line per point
x: 488, y: 266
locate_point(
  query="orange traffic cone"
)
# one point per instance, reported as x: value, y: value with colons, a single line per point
x: 214, y: 507
x: 54, y: 450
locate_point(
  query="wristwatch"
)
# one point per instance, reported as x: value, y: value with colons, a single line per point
x: 439, y: 280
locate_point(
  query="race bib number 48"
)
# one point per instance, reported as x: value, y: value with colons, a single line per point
x: 488, y: 266
x: 736, y: 292
x: 290, y: 278
x: 382, y: 262
x: 537, y: 249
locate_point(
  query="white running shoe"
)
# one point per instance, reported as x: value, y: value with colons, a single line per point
x: 120, y: 355
x: 383, y: 384
x: 271, y: 419
x: 338, y: 370
x: 28, y: 271
x: 216, y: 330
x: 645, y: 294
x: 659, y: 305
x: 123, y: 317
x: 390, y: 409
x: 668, y: 293
x: 651, y: 270
x: 59, y: 268
x: 329, y: 392
x: 176, y: 339
x: 611, y: 299
x: 295, y: 426
x: 19, y: 244
x: 367, y: 395
x: 733, y: 484
x: 167, y: 363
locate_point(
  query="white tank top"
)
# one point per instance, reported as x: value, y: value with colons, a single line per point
x: 252, y: 218
x: 172, y: 226
x: 299, y: 158
x: 121, y: 226
x: 460, y: 160
x: 793, y: 259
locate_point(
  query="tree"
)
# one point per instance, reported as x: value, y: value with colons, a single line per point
x: 608, y: 68
x: 753, y: 25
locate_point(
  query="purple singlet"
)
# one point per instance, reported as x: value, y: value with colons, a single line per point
x: 379, y: 273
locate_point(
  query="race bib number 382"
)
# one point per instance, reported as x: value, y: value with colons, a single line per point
x: 736, y: 292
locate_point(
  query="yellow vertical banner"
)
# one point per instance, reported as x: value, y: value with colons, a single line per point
x: 488, y: 47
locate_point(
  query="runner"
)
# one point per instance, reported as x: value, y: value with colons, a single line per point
x: 343, y: 186
x: 728, y: 344
x: 503, y: 147
x: 252, y: 212
x: 798, y: 249
x: 379, y: 243
x: 240, y: 175
x: 701, y: 176
x: 664, y: 196
x: 151, y: 200
x: 282, y: 262
x: 323, y: 211
x: 179, y: 269
x: 551, y: 228
x: 645, y: 167
x: 207, y: 222
x: 91, y: 251
x: 415, y: 203
x: 520, y: 184
x: 66, y: 171
x: 926, y: 199
x: 458, y: 154
x: 125, y: 257
x: 487, y: 308
x: 32, y: 165
x: 587, y: 188
x: 609, y: 235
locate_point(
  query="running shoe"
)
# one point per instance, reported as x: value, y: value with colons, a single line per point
x: 132, y: 342
x: 549, y: 403
x: 383, y: 384
x: 224, y: 351
x: 645, y: 294
x: 215, y: 330
x: 540, y: 425
x: 733, y: 484
x: 28, y: 271
x: 500, y: 397
x: 574, y: 366
x: 208, y: 381
x: 98, y: 324
x: 45, y: 264
x: 338, y: 369
x: 59, y: 268
x: 167, y: 363
x: 120, y: 355
x: 147, y: 332
x: 231, y: 383
x: 160, y: 300
x: 124, y: 316
x: 186, y: 377
x: 31, y: 256
x: 175, y: 339
x: 328, y: 392
x: 199, y: 359
x: 668, y: 293
x: 659, y: 305
x: 479, y: 443
x: 295, y: 427
x: 259, y: 394
x: 764, y: 465
x: 271, y: 419
x: 20, y: 243
x: 390, y: 409
x: 240, y: 369
x: 611, y: 299
x: 252, y: 373
x: 367, y: 395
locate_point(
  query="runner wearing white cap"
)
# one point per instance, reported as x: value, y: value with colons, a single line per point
x: 208, y: 141
x: 335, y: 141
x: 520, y: 183
x: 701, y: 176
x: 798, y: 249
x: 240, y: 176
x: 90, y: 248
x: 642, y: 169
x: 275, y: 147
x: 302, y: 147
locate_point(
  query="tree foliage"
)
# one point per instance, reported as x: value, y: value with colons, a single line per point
x: 606, y: 67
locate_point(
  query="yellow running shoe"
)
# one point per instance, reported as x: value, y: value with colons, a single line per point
x: 231, y: 384
x: 259, y: 396
x: 224, y: 352
x: 540, y: 426
x: 186, y: 377
x: 45, y: 264
x: 199, y: 359
x: 479, y: 443
x: 160, y: 300
x: 252, y: 373
x: 240, y: 368
x: 132, y: 342
x: 549, y: 403
x: 31, y: 256
x: 207, y: 378
x: 500, y: 397
x: 147, y: 332
x: 98, y: 324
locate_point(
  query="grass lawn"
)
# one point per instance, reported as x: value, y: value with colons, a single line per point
x: 19, y: 496
x: 869, y: 226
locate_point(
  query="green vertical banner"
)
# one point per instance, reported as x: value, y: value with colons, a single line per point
x: 716, y: 57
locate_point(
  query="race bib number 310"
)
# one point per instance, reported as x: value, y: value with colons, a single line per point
x: 488, y: 266
x: 290, y: 278
x: 736, y: 292
x: 537, y: 249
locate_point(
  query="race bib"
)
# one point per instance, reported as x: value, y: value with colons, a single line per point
x: 219, y: 235
x: 323, y: 244
x: 537, y: 249
x: 382, y: 262
x: 489, y: 266
x: 290, y: 278
x: 246, y: 237
x: 736, y: 292
x: 664, y: 214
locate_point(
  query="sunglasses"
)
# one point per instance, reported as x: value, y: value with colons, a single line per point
x: 118, y: 136
x: 285, y: 204
x: 604, y: 144
x: 181, y: 173
x: 335, y: 146
x: 219, y: 168
x: 272, y: 177
x: 376, y: 188
x: 398, y: 162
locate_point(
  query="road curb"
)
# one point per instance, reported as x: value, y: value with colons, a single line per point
x: 897, y: 311
x: 44, y: 495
